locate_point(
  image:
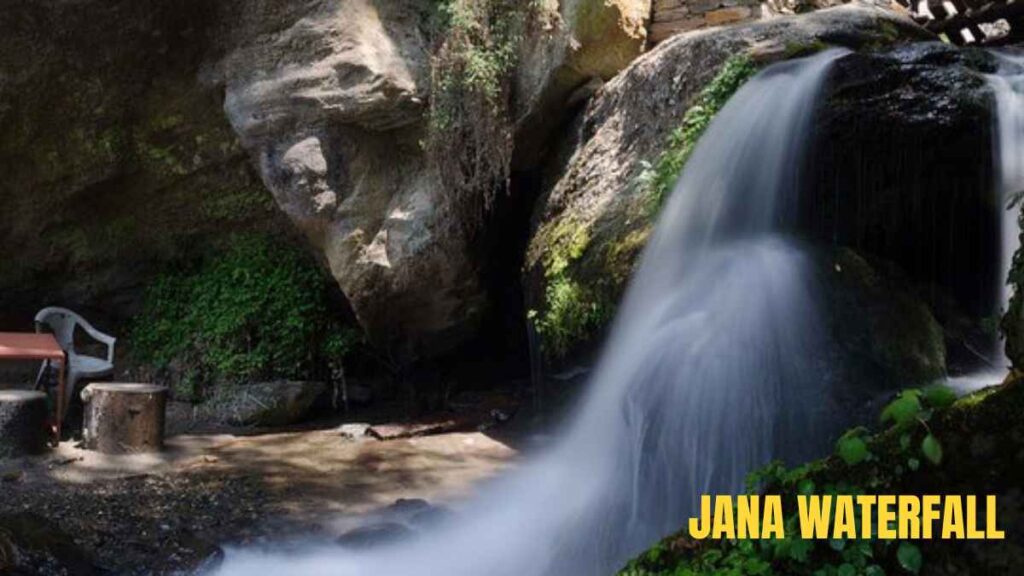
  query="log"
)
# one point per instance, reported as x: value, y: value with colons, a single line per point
x: 22, y: 423
x: 124, y: 418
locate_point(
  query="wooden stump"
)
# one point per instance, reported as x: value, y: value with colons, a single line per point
x: 22, y: 423
x: 124, y: 418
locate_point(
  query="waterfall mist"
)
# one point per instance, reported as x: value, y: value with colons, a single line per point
x: 717, y: 363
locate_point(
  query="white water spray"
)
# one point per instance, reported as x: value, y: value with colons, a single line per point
x: 1007, y: 84
x: 716, y: 365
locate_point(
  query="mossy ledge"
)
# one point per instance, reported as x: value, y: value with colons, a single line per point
x: 576, y: 306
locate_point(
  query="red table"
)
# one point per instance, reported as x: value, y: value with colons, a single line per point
x: 30, y: 346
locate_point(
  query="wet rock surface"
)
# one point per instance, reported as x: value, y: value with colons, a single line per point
x: 405, y: 519
x: 902, y: 155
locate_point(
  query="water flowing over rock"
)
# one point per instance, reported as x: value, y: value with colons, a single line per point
x: 596, y: 204
x: 906, y: 137
x: 718, y: 362
x: 1008, y: 85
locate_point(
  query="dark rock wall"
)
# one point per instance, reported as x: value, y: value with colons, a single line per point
x: 115, y: 158
x: 902, y: 167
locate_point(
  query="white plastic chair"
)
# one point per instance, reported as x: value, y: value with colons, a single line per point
x: 62, y: 323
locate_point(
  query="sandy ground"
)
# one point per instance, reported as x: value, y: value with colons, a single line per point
x: 310, y: 475
x: 212, y: 489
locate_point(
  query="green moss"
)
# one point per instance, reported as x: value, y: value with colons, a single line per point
x: 801, y: 49
x: 573, y: 311
x: 620, y: 256
x: 576, y: 308
x: 237, y: 205
x: 656, y: 180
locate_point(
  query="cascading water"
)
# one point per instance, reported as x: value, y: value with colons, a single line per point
x: 1007, y: 84
x: 716, y: 365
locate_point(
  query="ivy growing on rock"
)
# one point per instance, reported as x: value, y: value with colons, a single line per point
x: 470, y: 134
x: 656, y: 180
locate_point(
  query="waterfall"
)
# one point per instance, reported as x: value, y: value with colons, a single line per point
x: 1007, y: 85
x: 716, y: 364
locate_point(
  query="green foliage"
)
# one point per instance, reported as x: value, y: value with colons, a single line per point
x: 572, y: 311
x: 470, y: 131
x: 939, y: 396
x: 860, y: 472
x: 256, y: 310
x: 932, y: 449
x: 909, y: 557
x: 571, y: 315
x: 852, y: 448
x: 903, y: 411
x: 656, y: 180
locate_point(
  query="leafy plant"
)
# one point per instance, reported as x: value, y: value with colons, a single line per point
x: 859, y: 468
x: 258, y: 309
x: 469, y: 139
x: 572, y: 310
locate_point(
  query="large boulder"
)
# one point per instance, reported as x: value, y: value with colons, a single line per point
x: 329, y: 98
x: 901, y: 166
x: 595, y: 216
x: 115, y: 158
x: 885, y: 336
x: 572, y: 48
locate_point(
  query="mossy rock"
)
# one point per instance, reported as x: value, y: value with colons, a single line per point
x: 597, y: 186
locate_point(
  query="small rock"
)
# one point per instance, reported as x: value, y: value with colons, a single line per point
x: 430, y: 517
x: 374, y: 535
x: 353, y: 431
x: 408, y: 506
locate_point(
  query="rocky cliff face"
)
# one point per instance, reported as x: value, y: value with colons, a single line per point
x: 330, y: 102
x: 115, y: 159
x: 140, y: 133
